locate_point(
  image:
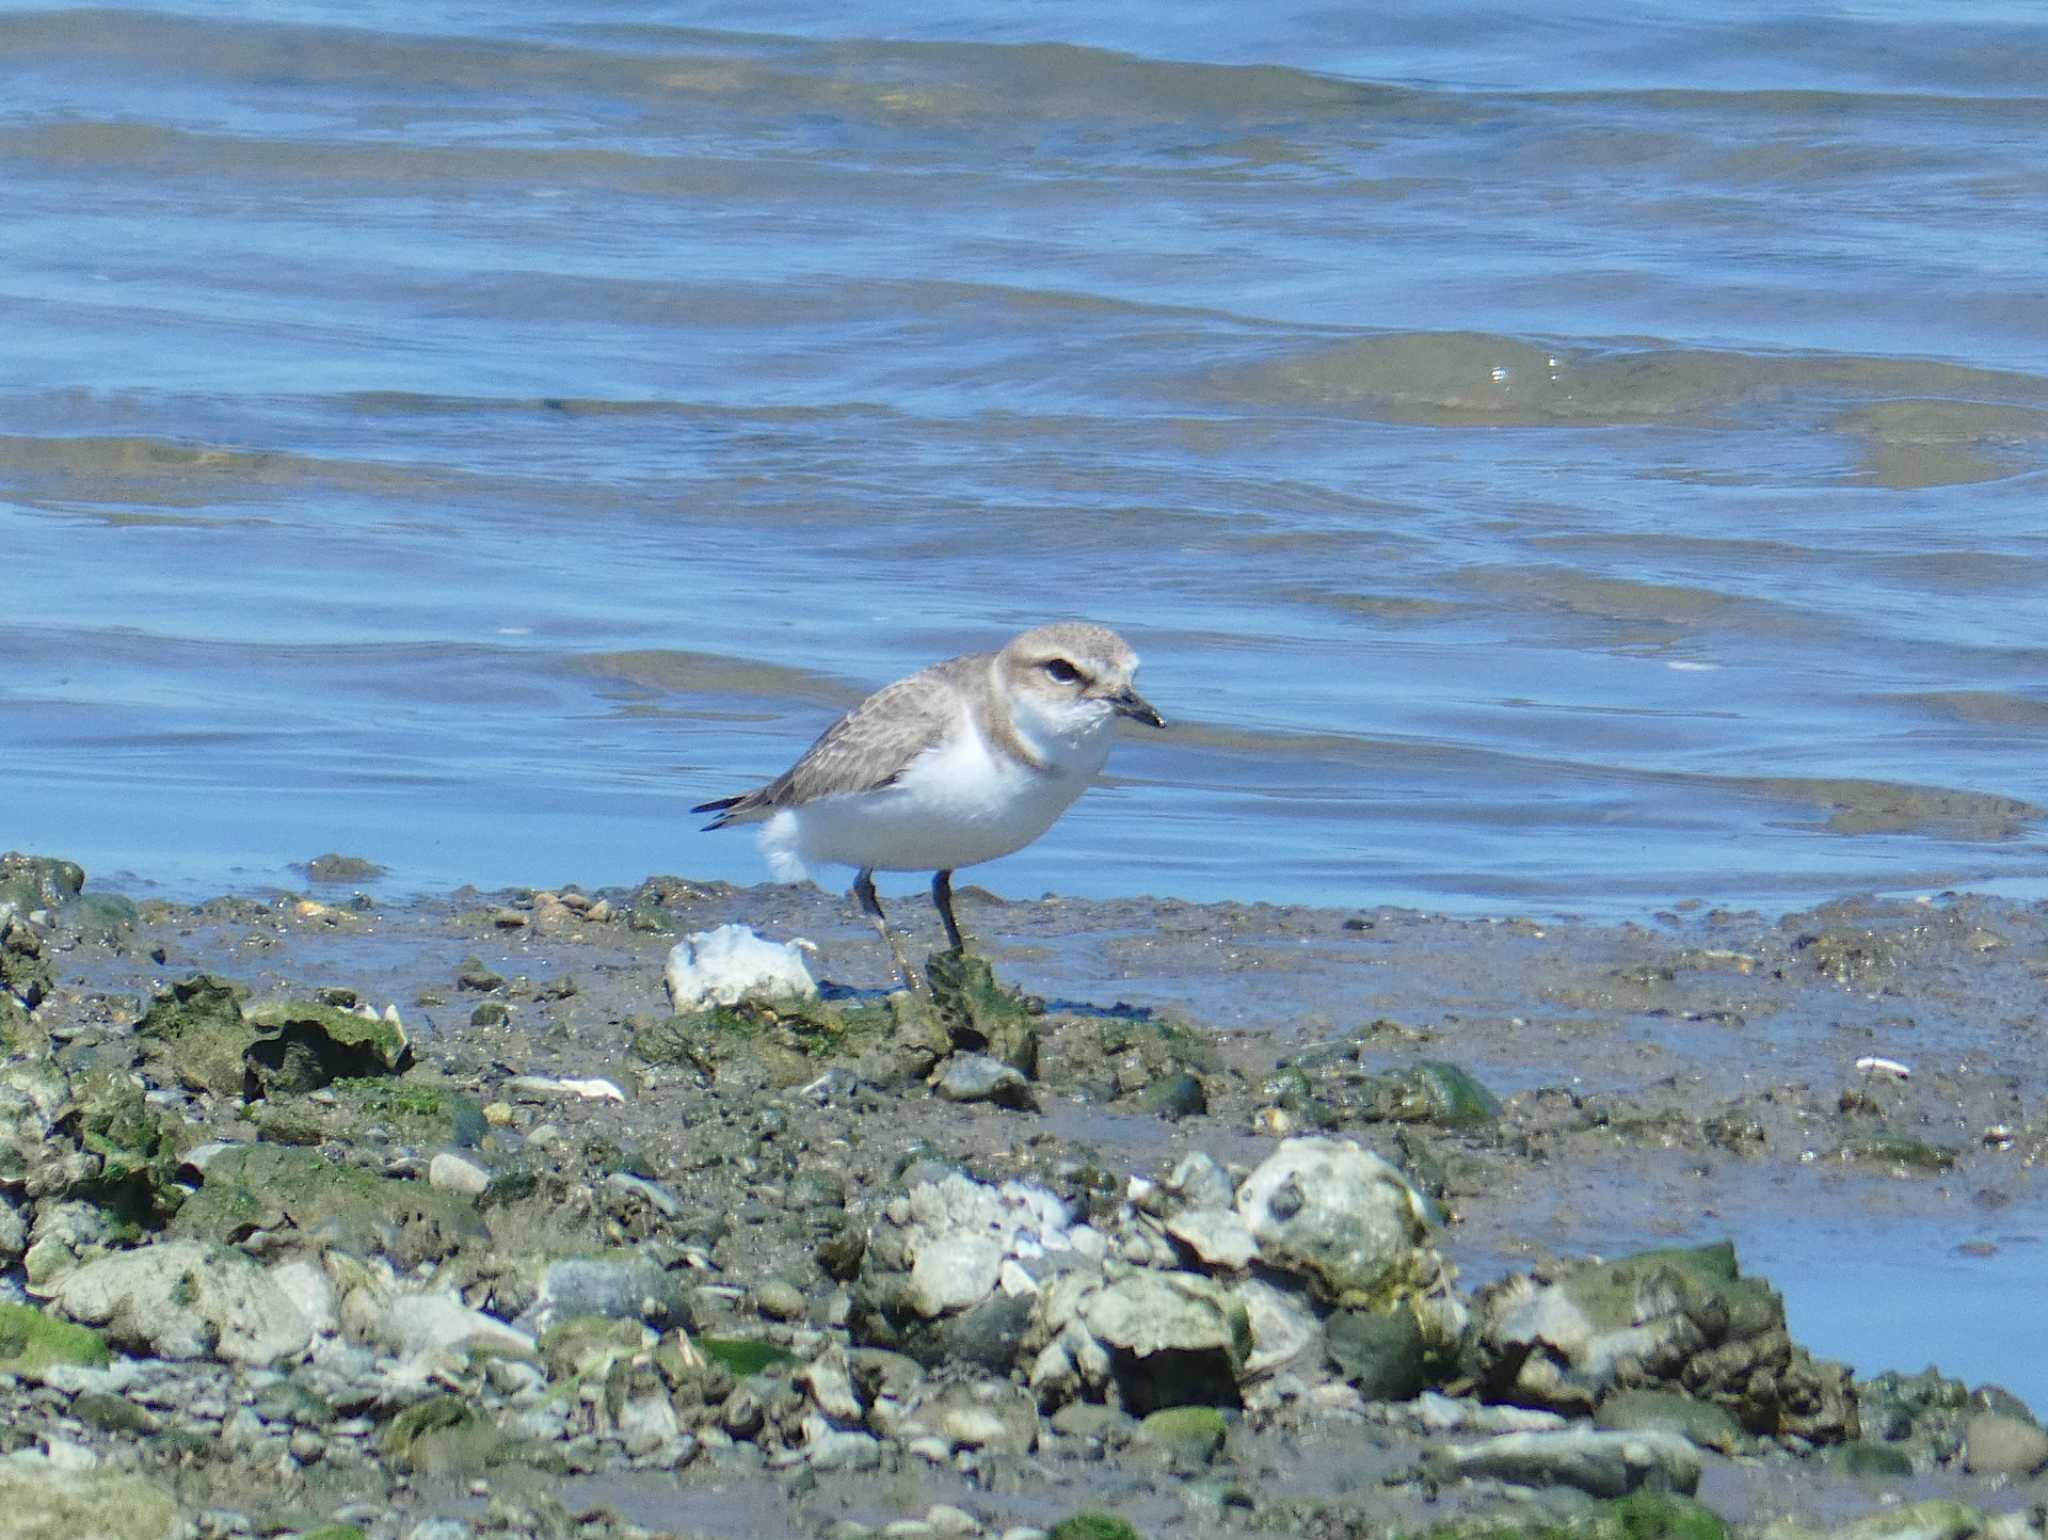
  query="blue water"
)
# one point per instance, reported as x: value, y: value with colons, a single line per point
x: 1560, y: 462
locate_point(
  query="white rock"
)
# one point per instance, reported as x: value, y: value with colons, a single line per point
x: 953, y: 1272
x: 409, y: 1324
x: 1284, y: 1330
x: 1338, y: 1215
x: 1218, y: 1236
x: 829, y: 1378
x: 648, y: 1423
x: 302, y: 1281
x: 731, y: 964
x: 186, y: 1299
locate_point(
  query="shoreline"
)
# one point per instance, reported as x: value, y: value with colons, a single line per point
x: 1557, y: 1091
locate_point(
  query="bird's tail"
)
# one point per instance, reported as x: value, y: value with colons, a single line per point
x: 722, y: 807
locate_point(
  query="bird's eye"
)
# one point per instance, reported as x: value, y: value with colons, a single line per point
x: 1061, y: 669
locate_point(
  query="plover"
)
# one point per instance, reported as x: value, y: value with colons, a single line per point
x: 969, y: 760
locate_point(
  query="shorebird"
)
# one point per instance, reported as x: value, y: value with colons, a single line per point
x: 966, y: 761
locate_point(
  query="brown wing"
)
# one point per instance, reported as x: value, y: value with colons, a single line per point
x: 866, y: 749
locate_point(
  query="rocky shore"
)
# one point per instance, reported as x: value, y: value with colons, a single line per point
x: 520, y: 1214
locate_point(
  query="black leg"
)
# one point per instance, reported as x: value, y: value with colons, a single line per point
x: 871, y: 906
x: 942, y: 900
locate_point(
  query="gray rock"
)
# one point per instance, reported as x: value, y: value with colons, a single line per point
x: 1997, y: 1445
x: 976, y: 1077
x: 829, y: 1379
x: 647, y: 1423
x: 779, y: 1300
x: 452, y: 1172
x: 619, y: 1289
x: 409, y: 1324
x: 830, y: 1448
x: 186, y: 1299
x: 1199, y: 1181
x: 981, y: 1415
x: 652, y: 1193
x: 1149, y: 1339
x: 1601, y: 1464
x: 951, y: 1269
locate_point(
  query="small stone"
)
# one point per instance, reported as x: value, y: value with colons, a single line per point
x: 451, y: 1172
x: 471, y: 973
x: 976, y: 1077
x: 491, y: 1013
x: 1189, y: 1437
x: 945, y: 1519
x: 498, y: 1114
x: 779, y: 1300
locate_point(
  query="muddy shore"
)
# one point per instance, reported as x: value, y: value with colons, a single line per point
x: 659, y: 1241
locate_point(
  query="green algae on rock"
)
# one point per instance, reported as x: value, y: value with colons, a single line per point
x: 45, y: 1504
x: 302, y: 1047
x: 269, y: 1187
x: 981, y: 1015
x: 1094, y: 1526
x: 1430, y: 1091
x: 32, y: 1342
x: 208, y: 1040
x: 444, y: 1436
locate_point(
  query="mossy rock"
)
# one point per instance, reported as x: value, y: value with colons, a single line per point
x: 1639, y: 1516
x: 1705, y: 1423
x: 1609, y: 1294
x: 1899, y: 1151
x: 24, y: 971
x: 416, y: 1111
x: 38, y: 882
x: 745, y: 1356
x: 213, y: 1042
x: 1291, y: 1090
x: 1382, y: 1352
x: 302, y: 1047
x: 584, y: 1345
x: 270, y: 1187
x: 136, y: 1144
x: 1867, y: 1457
x: 20, y: 1036
x: 981, y: 1015
x: 31, y: 1342
x: 1094, y: 1526
x: 197, y: 1026
x: 1431, y: 1091
x: 721, y: 1035
x: 42, y: 1504
x: 445, y: 1436
x: 1189, y: 1437
x: 332, y: 1532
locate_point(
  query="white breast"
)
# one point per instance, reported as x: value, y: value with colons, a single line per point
x: 960, y: 803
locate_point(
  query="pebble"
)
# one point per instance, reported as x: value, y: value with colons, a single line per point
x: 450, y: 1172
x: 779, y: 1300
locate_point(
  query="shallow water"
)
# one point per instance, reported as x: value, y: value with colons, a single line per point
x: 1557, y: 464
